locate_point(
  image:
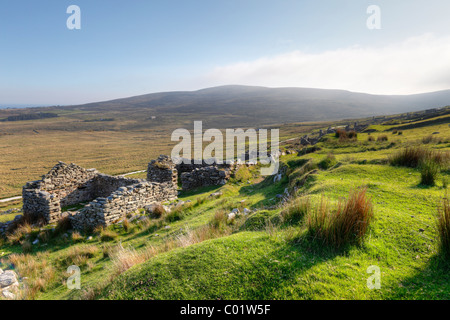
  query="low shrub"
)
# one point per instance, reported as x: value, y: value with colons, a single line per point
x: 341, y: 133
x: 382, y: 138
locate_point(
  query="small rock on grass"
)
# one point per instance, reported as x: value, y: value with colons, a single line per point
x: 8, y: 295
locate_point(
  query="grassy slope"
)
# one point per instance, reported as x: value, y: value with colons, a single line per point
x: 274, y: 264
x: 262, y: 265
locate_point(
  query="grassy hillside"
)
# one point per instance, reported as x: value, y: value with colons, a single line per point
x: 195, y: 252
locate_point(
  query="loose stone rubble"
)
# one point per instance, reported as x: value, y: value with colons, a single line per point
x: 8, y: 284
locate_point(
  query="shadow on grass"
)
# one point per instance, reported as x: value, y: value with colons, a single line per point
x: 431, y: 283
x: 283, y: 267
x: 197, y: 191
x: 267, y: 188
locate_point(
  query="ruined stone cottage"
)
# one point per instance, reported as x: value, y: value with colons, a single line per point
x: 111, y: 198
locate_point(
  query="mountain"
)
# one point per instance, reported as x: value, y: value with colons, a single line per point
x: 274, y: 105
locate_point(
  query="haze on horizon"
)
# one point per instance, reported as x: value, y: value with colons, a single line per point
x: 128, y: 49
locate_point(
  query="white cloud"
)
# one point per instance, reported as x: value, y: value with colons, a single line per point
x: 419, y: 64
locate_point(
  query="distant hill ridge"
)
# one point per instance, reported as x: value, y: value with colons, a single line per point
x: 274, y: 105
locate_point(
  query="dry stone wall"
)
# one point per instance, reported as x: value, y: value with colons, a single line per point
x: 194, y: 175
x: 206, y: 176
x: 163, y: 170
x: 106, y: 211
x: 189, y: 165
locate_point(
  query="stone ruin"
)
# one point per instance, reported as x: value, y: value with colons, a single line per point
x: 110, y: 198
x: 194, y: 175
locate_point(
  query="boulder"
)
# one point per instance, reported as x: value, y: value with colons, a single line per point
x: 231, y: 216
x: 8, y: 279
x: 8, y: 295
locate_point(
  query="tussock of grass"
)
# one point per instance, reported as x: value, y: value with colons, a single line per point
x: 80, y: 255
x: 298, y: 177
x: 382, y: 138
x: 296, y: 210
x: 428, y: 173
x: 219, y: 221
x: 345, y: 136
x: 158, y: 211
x: 124, y: 258
x: 200, y: 201
x: 347, y: 224
x: 174, y: 215
x: 108, y: 235
x: 413, y: 157
x: 19, y: 233
x: 443, y: 227
x: 77, y: 237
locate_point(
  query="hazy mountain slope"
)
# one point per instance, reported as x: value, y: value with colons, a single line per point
x: 272, y: 105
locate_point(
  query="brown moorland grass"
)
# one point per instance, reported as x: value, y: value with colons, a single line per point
x: 37, y: 269
x: 80, y: 255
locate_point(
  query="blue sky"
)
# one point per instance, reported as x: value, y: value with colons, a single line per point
x: 126, y: 48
